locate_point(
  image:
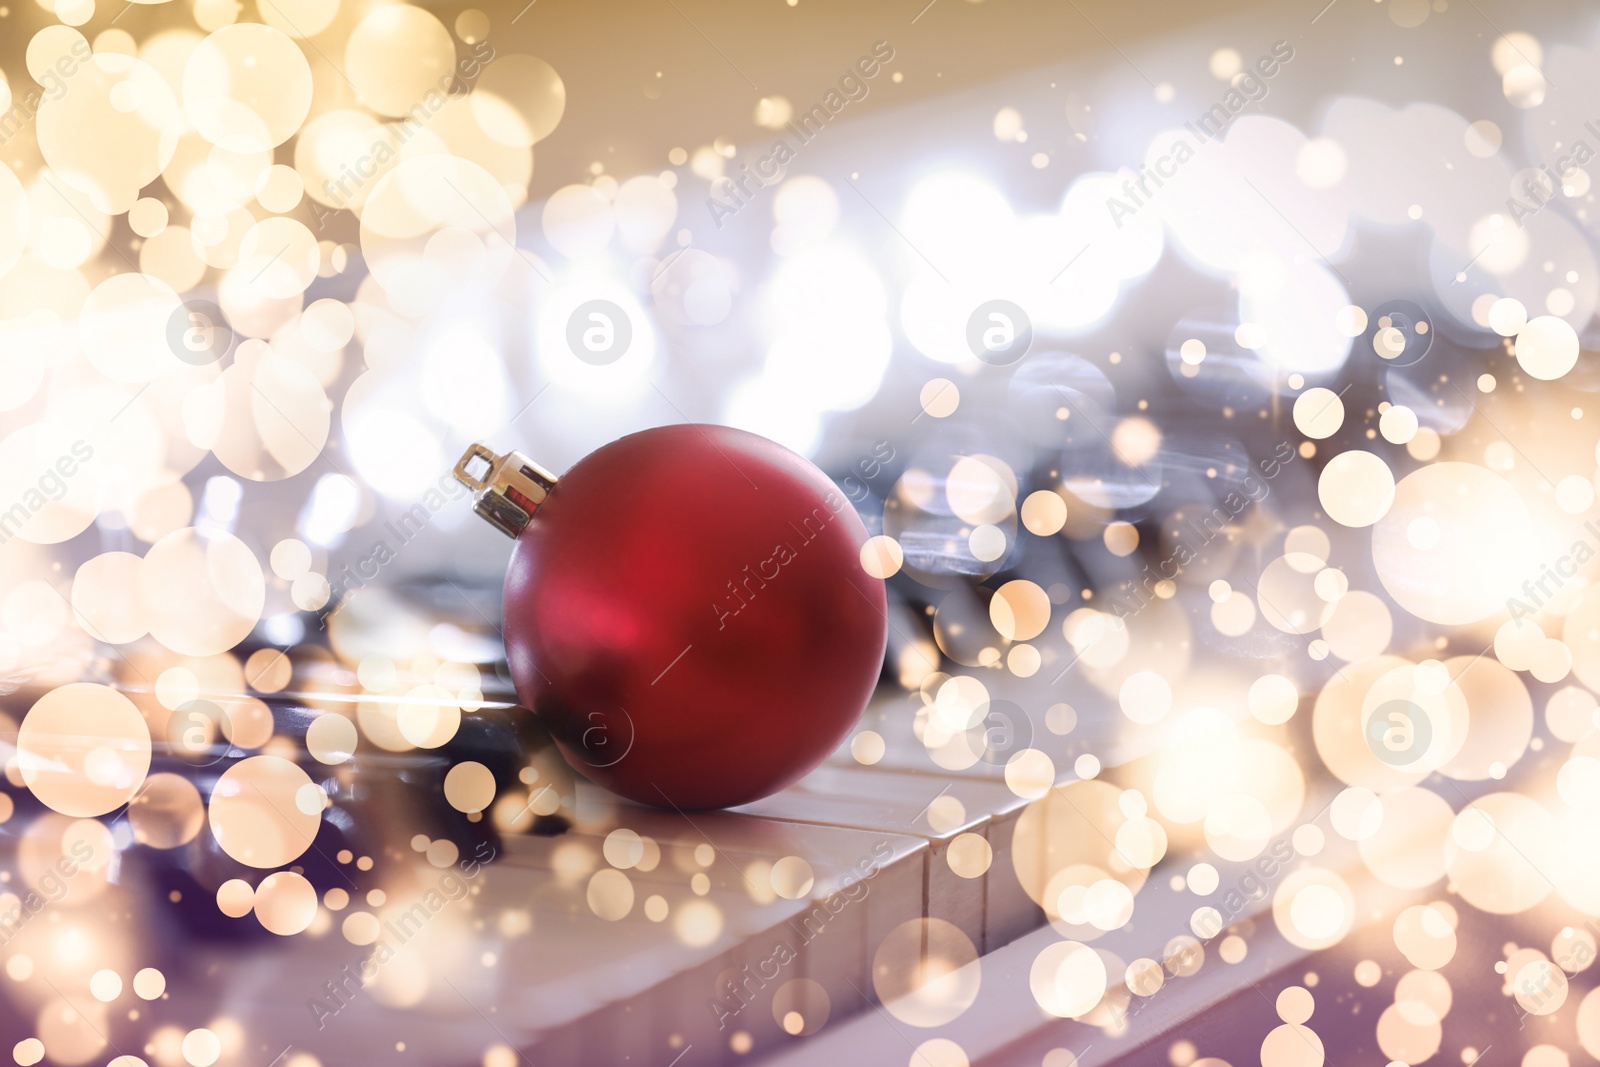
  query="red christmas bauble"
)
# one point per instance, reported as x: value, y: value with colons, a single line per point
x: 687, y: 612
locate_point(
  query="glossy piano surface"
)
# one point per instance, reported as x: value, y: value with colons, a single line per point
x: 562, y: 922
x: 889, y: 899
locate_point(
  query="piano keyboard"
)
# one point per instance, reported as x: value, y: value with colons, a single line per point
x: 734, y: 908
x: 657, y: 937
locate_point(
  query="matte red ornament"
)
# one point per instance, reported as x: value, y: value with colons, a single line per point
x: 686, y: 611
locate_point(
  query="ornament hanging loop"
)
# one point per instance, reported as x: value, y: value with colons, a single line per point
x: 511, y: 489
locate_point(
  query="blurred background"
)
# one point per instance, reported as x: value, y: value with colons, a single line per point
x: 823, y: 302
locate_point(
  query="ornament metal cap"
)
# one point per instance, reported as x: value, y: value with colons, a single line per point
x: 511, y: 489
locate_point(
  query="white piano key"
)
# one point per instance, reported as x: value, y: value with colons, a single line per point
x: 908, y: 801
x: 581, y: 989
x: 1005, y: 1027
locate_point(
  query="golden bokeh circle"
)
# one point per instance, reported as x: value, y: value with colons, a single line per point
x: 1067, y: 979
x: 113, y: 133
x: 270, y: 418
x: 33, y: 459
x: 83, y: 749
x: 285, y: 903
x: 1483, y: 529
x: 926, y: 972
x: 1425, y: 936
x: 247, y: 87
x: 1313, y: 908
x: 255, y: 813
x: 167, y: 812
x: 801, y: 1006
x: 434, y: 225
x: 332, y: 738
x: 1356, y: 488
x: 299, y: 18
x: 398, y: 55
x: 519, y: 100
x: 469, y: 787
x: 124, y: 328
x: 1407, y: 850
x: 610, y: 894
x: 1501, y: 870
x: 202, y: 592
